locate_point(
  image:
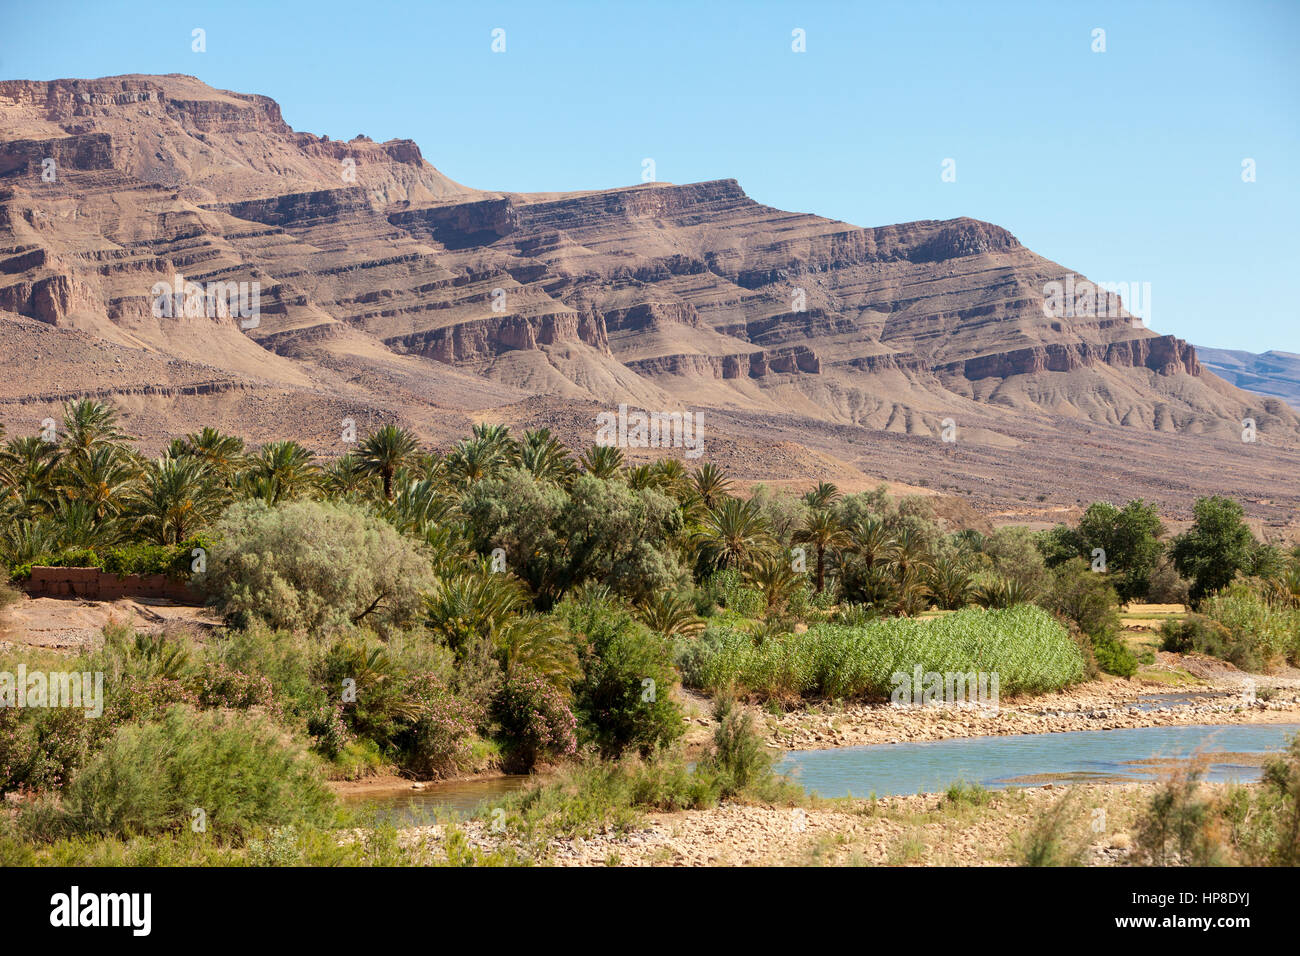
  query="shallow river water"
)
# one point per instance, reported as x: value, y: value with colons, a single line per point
x: 1126, y: 755
x: 1032, y: 759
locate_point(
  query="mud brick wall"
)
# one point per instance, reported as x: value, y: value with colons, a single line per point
x: 96, y: 585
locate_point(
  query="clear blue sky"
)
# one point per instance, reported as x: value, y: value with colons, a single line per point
x: 1123, y: 165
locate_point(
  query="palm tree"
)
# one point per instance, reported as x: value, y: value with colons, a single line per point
x: 950, y: 582
x: 498, y: 437
x: 871, y: 541
x: 177, y: 497
x: 545, y: 458
x: 1003, y: 592
x: 733, y: 532
x: 418, y: 506
x: 474, y: 459
x: 78, y: 526
x: 673, y: 477
x: 281, y: 471
x: 87, y: 424
x: 223, y: 453
x: 100, y: 477
x: 471, y: 605
x: 643, y: 477
x: 602, y: 461
x: 710, y: 484
x: 539, y: 645
x: 385, y: 451
x: 823, y: 496
x: 773, y: 573
x: 27, y: 470
x: 26, y: 539
x: 346, y: 478
x: 910, y: 551
x: 669, y: 614
x: 822, y: 530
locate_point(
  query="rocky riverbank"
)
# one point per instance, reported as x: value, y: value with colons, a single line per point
x: 856, y: 725
x: 918, y: 830
x: 1220, y: 695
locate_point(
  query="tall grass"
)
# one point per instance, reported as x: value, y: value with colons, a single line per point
x: 1028, y: 650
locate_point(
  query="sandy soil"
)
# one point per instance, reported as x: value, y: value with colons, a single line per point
x: 74, y: 624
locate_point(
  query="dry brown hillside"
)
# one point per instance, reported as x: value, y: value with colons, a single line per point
x: 387, y: 292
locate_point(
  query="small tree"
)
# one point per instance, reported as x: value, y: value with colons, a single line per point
x: 1215, y: 548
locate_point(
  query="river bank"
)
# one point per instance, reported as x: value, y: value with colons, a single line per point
x: 1220, y: 695
x: 917, y: 830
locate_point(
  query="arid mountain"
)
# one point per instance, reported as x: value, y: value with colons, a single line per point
x: 386, y: 291
x: 1270, y: 373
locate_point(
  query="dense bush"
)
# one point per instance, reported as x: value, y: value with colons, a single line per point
x: 1196, y: 634
x: 1258, y: 634
x: 625, y: 695
x: 242, y: 772
x: 313, y: 566
x: 596, y: 530
x: 1084, y: 597
x: 437, y: 740
x: 727, y: 589
x: 1112, y: 655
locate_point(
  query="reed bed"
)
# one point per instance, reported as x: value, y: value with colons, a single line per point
x: 1024, y: 645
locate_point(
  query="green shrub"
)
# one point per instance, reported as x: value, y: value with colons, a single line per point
x: 624, y: 699
x: 217, y: 685
x: 1113, y: 656
x: 1195, y: 634
x: 1083, y: 596
x: 729, y: 591
x: 175, y: 560
x: 243, y: 772
x: 740, y: 759
x: 315, y: 567
x: 438, y: 740
x: 1255, y: 634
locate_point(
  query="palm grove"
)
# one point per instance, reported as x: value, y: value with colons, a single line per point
x: 507, y: 603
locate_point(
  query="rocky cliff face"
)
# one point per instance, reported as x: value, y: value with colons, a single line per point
x: 380, y: 281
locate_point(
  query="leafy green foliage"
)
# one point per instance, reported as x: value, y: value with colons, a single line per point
x: 625, y: 695
x: 1215, y: 548
x: 238, y: 769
